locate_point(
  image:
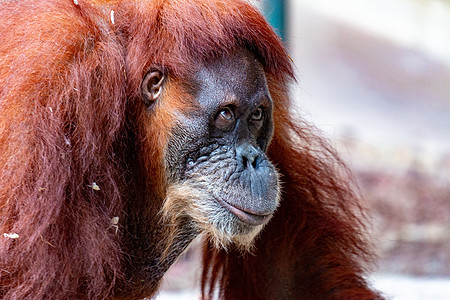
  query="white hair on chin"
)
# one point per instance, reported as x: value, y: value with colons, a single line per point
x: 192, y: 199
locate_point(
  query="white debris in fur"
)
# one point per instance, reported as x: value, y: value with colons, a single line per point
x: 95, y: 186
x: 114, y: 220
x: 11, y: 235
x: 115, y: 223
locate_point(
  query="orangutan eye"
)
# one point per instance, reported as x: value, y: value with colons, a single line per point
x: 257, y: 115
x: 226, y: 114
x: 224, y: 119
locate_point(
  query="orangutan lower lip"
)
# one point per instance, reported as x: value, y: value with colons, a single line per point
x: 246, y: 217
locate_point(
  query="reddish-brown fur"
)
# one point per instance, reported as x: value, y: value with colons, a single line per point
x: 71, y: 115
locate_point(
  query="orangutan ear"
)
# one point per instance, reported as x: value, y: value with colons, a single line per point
x: 152, y: 85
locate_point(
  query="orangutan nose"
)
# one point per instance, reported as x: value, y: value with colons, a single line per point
x: 248, y: 156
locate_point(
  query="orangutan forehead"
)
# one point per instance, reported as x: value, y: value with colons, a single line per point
x: 238, y: 76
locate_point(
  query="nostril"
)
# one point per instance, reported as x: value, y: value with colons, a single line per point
x: 256, y: 161
x: 248, y: 156
x: 245, y: 162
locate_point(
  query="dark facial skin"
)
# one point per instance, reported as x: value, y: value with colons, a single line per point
x: 219, y: 147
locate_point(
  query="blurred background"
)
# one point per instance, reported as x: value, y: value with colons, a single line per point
x: 374, y: 75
